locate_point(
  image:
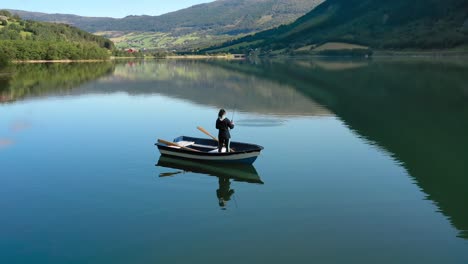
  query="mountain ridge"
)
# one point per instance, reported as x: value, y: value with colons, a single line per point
x: 189, y: 28
x: 397, y: 24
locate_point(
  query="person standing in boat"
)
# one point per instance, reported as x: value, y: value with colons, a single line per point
x: 223, y: 124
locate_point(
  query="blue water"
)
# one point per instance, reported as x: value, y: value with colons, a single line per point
x: 79, y: 182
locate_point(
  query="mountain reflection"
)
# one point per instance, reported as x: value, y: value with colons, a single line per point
x: 224, y: 173
x: 197, y: 81
x: 22, y: 81
x: 206, y: 84
x: 416, y: 110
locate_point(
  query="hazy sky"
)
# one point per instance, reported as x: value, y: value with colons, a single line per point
x: 108, y: 8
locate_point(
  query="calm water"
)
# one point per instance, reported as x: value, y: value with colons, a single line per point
x: 364, y: 162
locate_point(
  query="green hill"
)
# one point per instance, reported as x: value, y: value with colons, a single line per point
x: 30, y: 40
x: 190, y: 28
x: 397, y: 24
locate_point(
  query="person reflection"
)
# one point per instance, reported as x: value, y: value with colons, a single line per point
x: 224, y: 192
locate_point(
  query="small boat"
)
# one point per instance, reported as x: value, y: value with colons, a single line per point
x: 207, y: 150
x: 238, y: 172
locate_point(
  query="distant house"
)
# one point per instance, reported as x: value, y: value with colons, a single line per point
x: 239, y: 56
x: 132, y: 50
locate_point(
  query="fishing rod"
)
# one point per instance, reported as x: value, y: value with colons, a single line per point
x: 234, y: 112
x: 235, y: 200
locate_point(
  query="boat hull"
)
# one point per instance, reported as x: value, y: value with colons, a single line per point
x: 247, y: 158
x: 244, y: 153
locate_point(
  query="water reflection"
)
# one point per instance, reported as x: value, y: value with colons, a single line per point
x: 224, y: 191
x: 206, y: 84
x: 5, y: 142
x: 22, y: 81
x: 260, y: 122
x: 188, y: 80
x: 87, y: 158
x: 224, y: 173
x: 417, y: 110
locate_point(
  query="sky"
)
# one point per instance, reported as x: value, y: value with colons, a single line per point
x: 101, y: 8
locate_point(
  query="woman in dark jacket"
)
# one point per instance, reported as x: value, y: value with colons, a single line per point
x: 223, y: 124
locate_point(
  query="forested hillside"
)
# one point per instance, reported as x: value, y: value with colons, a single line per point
x: 190, y: 28
x: 397, y: 24
x: 30, y: 40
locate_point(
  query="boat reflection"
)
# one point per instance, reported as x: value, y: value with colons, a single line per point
x: 224, y: 172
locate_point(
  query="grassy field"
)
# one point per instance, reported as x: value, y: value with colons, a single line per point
x: 457, y: 51
x: 162, y: 41
x: 237, y: 46
x: 338, y: 46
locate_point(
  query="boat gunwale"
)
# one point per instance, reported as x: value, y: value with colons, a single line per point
x: 257, y: 148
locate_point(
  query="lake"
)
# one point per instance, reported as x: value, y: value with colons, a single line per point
x: 365, y: 161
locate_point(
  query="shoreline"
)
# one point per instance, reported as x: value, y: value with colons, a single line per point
x: 191, y: 57
x: 55, y: 61
x: 226, y: 57
x: 376, y: 54
x: 422, y: 53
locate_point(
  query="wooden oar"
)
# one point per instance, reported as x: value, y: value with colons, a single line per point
x: 176, y: 145
x: 208, y: 134
x: 169, y: 174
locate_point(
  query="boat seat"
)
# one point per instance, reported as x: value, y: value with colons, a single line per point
x: 183, y: 144
x: 216, y: 150
x: 205, y: 146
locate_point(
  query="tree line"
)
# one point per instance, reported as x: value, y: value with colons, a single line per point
x: 49, y: 50
x: 31, y: 40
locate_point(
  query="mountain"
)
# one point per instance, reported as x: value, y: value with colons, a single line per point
x: 189, y: 28
x: 84, y: 23
x: 397, y: 24
x: 31, y: 40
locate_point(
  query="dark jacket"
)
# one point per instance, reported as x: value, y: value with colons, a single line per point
x: 224, y: 127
